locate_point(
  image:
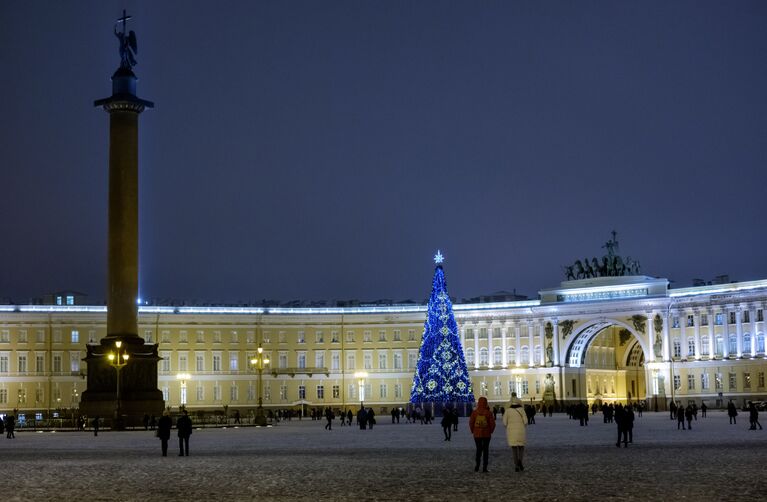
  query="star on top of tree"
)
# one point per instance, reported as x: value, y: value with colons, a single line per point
x: 438, y: 258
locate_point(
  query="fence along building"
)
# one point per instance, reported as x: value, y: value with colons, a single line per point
x: 596, y: 340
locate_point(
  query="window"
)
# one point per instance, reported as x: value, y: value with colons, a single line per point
x: 367, y: 336
x: 677, y: 348
x: 283, y: 392
x: 704, y: 348
x: 3, y: 396
x: 40, y: 336
x: 265, y: 337
x: 352, y: 391
x: 282, y: 337
x: 760, y: 343
x: 233, y: 361
x: 497, y: 356
x: 747, y: 343
x: 746, y: 380
x: 469, y: 357
x: 497, y: 388
x: 301, y: 392
x: 351, y: 361
x: 537, y: 355
x: 22, y: 363
x: 704, y: 320
x: 382, y: 335
x: 397, y: 361
x: 350, y: 337
x: 675, y: 322
x: 718, y: 381
x: 524, y: 387
x: 165, y: 364
x: 200, y: 392
x: 335, y: 361
x: 334, y: 337
x: 511, y: 355
x: 746, y: 316
x: 367, y: 359
x: 75, y: 336
x: 319, y: 337
x: 234, y: 337
x: 200, y: 363
x: 5, y: 336
x: 496, y: 332
x: 719, y: 345
x: 677, y: 382
x: 733, y: 377
x: 74, y: 362
x: 397, y: 335
x: 336, y: 392
x: 690, y: 382
x: 704, y: 381
x: 165, y: 337
x: 397, y: 390
x: 483, y: 333
x: 470, y: 334
x: 382, y: 360
x: 320, y: 392
x: 760, y: 379
x: 719, y: 319
x: 183, y: 336
x: 319, y: 359
x: 732, y: 318
x: 759, y: 315
x: 216, y: 392
x: 39, y: 395
x: 383, y: 390
x: 411, y: 334
x: 524, y: 354
x: 183, y: 362
x: 57, y: 363
x: 234, y: 392
x: 216, y: 337
x: 733, y: 345
x: 690, y: 347
x: 147, y: 336
x: 690, y: 321
x: 39, y: 363
x: 200, y: 336
x: 301, y: 359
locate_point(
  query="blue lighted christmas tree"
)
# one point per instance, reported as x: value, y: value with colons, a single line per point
x: 441, y: 375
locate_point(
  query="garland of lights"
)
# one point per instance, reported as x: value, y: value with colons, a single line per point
x: 441, y: 374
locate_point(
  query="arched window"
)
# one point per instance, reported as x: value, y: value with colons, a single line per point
x: 537, y: 354
x: 719, y: 346
x: 677, y: 348
x: 704, y: 346
x: 760, y: 343
x: 524, y: 354
x: 747, y: 343
x: 497, y: 356
x: 483, y: 356
x: 469, y: 357
x: 733, y: 345
x: 511, y: 355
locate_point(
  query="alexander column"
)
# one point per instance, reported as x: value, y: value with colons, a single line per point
x: 122, y: 369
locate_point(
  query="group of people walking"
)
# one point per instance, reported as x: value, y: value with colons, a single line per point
x: 184, y: 428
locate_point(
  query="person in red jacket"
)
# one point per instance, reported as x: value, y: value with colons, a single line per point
x: 482, y: 425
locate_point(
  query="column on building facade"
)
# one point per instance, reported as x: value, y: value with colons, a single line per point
x: 682, y: 316
x: 711, y: 335
x: 475, y: 328
x: 752, y: 316
x: 666, y: 339
x: 726, y: 333
x: 696, y: 328
x: 517, y: 345
x: 531, y: 342
x: 542, y: 338
x: 555, y: 347
x: 490, y: 345
x: 739, y: 331
x: 504, y: 344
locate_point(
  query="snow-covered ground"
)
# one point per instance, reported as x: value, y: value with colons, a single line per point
x: 299, y: 460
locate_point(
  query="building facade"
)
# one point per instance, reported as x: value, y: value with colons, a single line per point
x: 595, y: 340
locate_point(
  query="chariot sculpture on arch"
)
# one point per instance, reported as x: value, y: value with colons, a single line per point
x: 611, y: 264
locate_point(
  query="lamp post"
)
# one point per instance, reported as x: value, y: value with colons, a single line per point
x: 118, y: 360
x: 182, y: 378
x: 258, y: 362
x: 361, y: 376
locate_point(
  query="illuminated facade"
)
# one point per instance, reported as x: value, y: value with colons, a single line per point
x: 605, y: 339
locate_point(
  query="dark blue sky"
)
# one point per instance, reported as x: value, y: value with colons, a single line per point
x: 327, y: 149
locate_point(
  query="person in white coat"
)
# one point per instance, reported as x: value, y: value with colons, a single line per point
x: 516, y: 423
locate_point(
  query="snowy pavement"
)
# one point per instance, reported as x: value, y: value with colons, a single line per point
x: 299, y: 460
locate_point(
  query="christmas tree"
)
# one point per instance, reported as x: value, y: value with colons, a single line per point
x: 441, y: 375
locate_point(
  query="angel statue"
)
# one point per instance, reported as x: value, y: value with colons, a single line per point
x: 128, y: 46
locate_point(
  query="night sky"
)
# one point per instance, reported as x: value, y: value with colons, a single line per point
x: 326, y: 150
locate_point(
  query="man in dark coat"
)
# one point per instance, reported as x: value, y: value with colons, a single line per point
x: 163, y: 431
x: 184, y: 426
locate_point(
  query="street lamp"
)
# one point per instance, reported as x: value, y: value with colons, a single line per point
x: 182, y: 378
x: 258, y: 362
x: 361, y: 376
x: 118, y: 360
